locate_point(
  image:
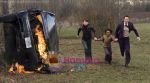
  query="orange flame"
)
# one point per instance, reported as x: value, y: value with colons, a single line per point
x: 17, y: 68
x: 41, y: 43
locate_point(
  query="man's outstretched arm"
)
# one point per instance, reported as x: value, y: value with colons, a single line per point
x: 136, y: 32
x: 116, y: 32
x: 79, y: 30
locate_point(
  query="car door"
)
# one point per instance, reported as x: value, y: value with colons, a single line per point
x: 50, y: 31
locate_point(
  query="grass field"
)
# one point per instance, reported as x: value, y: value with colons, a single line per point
x: 138, y: 71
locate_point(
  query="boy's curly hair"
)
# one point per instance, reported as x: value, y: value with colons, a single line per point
x: 108, y: 30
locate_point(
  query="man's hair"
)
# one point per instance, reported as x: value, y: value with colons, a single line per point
x: 126, y: 16
x: 108, y: 30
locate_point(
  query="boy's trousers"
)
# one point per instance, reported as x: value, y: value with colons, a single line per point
x: 108, y: 54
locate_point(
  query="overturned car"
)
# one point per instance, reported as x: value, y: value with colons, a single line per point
x: 30, y: 37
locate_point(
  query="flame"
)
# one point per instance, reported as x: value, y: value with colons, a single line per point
x: 17, y: 68
x: 46, y: 57
x: 41, y: 43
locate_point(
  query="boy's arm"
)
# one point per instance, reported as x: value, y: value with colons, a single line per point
x: 101, y: 38
x: 114, y: 39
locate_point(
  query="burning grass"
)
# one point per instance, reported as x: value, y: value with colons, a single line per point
x: 17, y: 68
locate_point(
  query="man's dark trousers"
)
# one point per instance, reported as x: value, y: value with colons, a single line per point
x: 87, y: 48
x: 125, y: 49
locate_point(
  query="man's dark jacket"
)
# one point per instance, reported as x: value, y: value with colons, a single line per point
x: 120, y: 30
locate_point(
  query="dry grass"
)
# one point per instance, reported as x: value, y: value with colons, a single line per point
x: 138, y: 71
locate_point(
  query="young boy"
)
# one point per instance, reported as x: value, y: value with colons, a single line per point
x: 107, y: 38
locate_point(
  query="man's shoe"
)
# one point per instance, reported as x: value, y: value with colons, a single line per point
x: 109, y: 62
x: 126, y: 65
x: 106, y: 62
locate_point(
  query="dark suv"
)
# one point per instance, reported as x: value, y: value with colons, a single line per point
x: 20, y: 38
